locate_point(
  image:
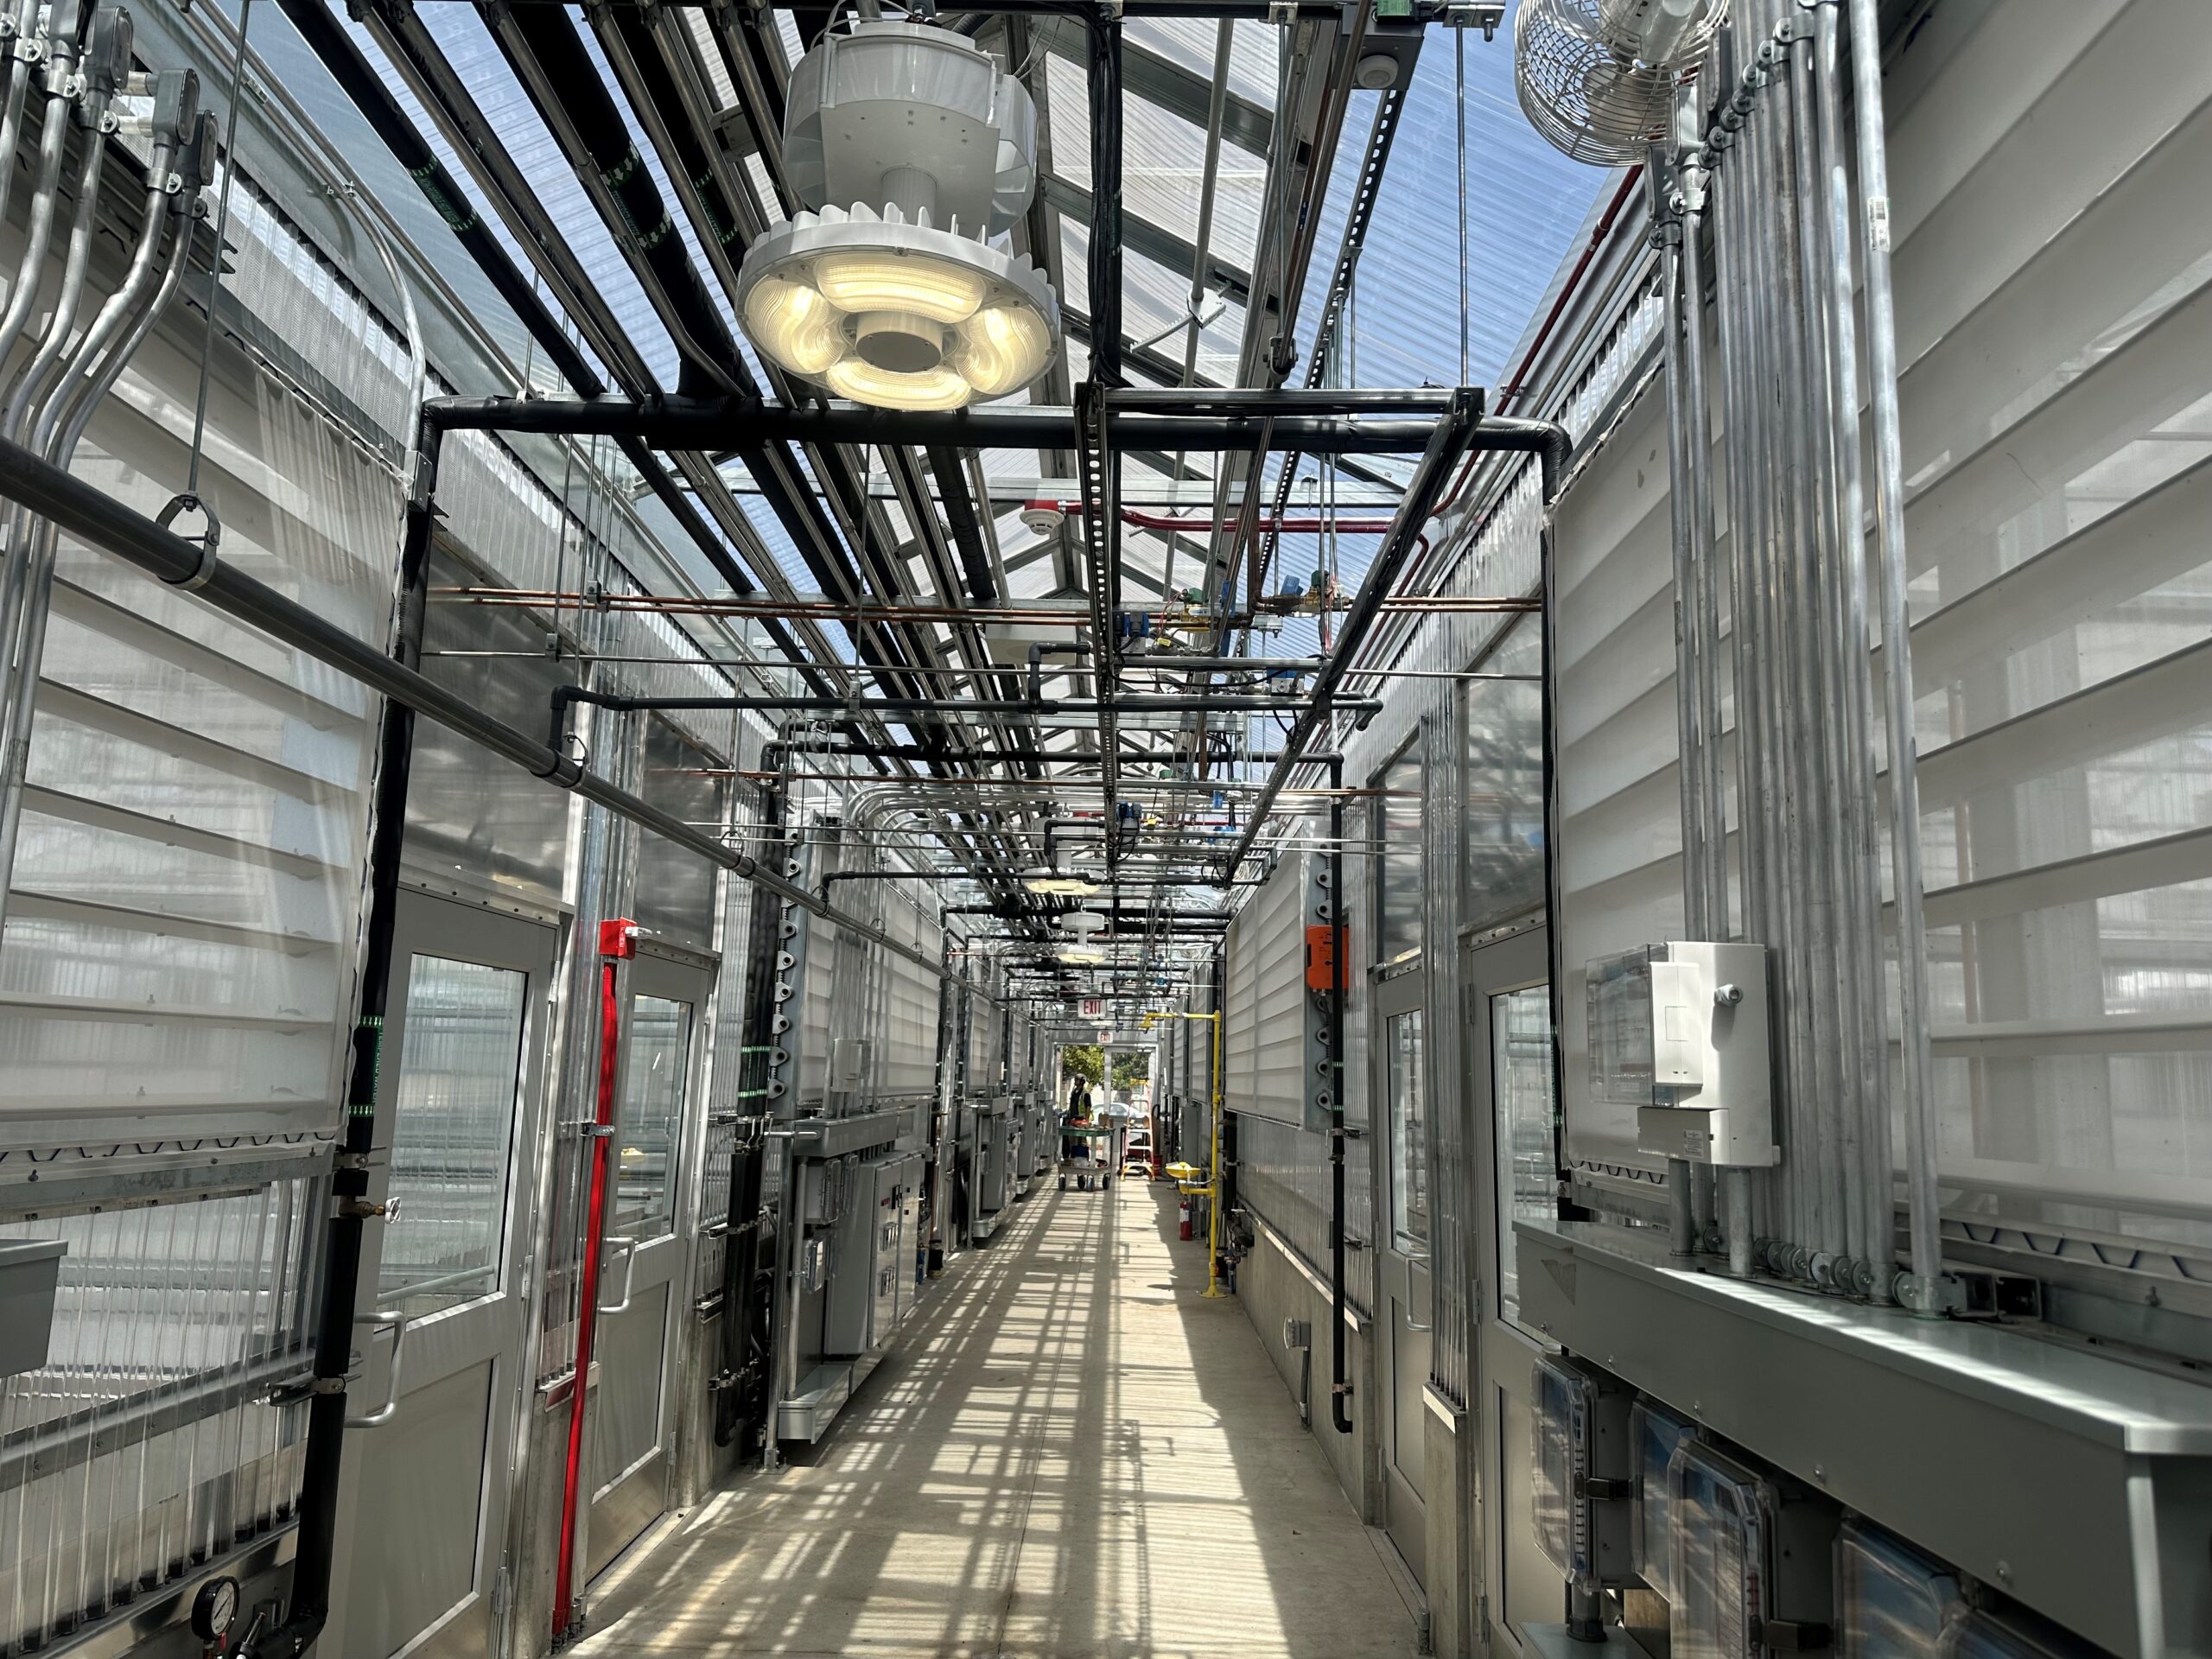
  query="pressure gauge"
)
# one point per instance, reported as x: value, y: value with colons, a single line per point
x: 214, y: 1609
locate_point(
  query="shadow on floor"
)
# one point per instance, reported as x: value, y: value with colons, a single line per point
x: 1070, y: 1452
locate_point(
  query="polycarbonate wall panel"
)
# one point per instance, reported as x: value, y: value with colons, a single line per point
x: 985, y: 1017
x: 1501, y: 783
x: 470, y: 818
x: 1620, y: 837
x: 1399, y: 900
x: 179, y: 956
x: 2054, y: 268
x: 675, y: 886
x: 146, y: 1443
x: 1264, y: 1035
x: 1283, y: 1173
x: 905, y: 1049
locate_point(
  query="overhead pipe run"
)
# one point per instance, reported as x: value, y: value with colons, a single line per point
x: 1454, y: 435
x: 565, y: 695
x: 745, y: 424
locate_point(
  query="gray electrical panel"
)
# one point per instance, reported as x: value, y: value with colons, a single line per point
x: 872, y: 1270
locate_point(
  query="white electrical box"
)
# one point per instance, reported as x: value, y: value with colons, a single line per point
x: 849, y: 1058
x: 1679, y: 1031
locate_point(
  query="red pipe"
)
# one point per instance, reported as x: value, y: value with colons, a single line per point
x: 618, y: 941
x: 1308, y: 524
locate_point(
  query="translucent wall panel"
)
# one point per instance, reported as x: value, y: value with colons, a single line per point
x: 1398, y: 862
x: 147, y: 1443
x: 179, y: 959
x: 2055, y: 280
x: 1502, y: 865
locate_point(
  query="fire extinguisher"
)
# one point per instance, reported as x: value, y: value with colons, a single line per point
x: 1183, y: 1220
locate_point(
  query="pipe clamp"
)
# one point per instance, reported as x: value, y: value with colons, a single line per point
x: 210, y: 540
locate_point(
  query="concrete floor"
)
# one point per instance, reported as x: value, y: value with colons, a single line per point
x: 1070, y: 1452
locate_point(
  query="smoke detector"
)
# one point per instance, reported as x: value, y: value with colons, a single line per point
x: 911, y: 148
x: 1043, y: 518
x: 1377, y: 71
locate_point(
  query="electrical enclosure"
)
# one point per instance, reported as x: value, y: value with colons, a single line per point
x: 1679, y: 1031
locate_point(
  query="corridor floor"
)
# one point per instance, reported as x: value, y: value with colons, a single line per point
x: 1071, y: 1452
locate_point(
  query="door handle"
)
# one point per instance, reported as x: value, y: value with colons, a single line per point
x: 1413, y: 1324
x: 390, y: 1409
x: 629, y: 1247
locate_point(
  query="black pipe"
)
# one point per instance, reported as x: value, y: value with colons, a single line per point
x: 1105, y: 28
x: 744, y: 423
x: 749, y: 1250
x: 1339, y: 1378
x: 710, y: 354
x: 323, y: 1460
x: 1552, y: 458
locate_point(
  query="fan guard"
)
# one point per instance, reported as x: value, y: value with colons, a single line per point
x: 1582, y: 85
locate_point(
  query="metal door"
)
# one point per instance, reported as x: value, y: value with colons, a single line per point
x: 422, y: 1567
x: 1402, y: 1256
x: 1511, y: 1079
x: 631, y: 1432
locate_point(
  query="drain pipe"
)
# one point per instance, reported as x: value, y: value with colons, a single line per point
x: 351, y: 1207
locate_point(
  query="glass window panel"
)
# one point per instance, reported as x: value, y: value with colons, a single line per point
x: 1521, y: 1087
x: 1408, y: 1135
x: 453, y: 1127
x: 652, y: 1117
x: 1397, y: 894
x: 1253, y: 50
x: 1163, y: 167
x: 1503, y: 874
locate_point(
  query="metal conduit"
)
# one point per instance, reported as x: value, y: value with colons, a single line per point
x: 1773, y: 174
x: 55, y: 394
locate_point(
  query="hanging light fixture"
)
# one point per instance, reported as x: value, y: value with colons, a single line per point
x: 912, y: 148
x: 1046, y: 880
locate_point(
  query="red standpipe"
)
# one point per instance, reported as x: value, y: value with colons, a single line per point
x: 618, y: 942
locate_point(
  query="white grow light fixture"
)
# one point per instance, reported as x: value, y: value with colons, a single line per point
x: 912, y: 148
x: 1046, y: 880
